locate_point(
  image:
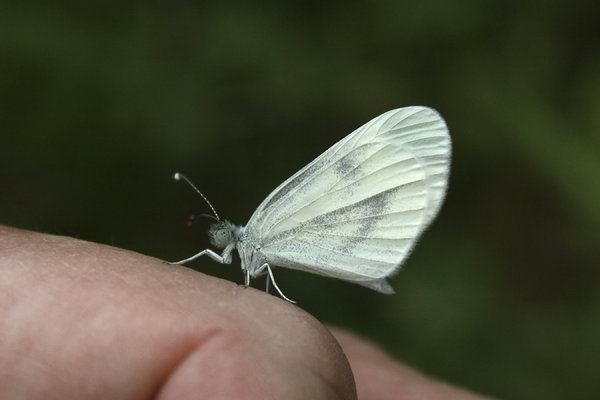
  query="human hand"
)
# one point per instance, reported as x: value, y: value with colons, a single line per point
x: 80, y: 320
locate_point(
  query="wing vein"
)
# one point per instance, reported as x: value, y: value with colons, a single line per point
x: 336, y: 251
x: 341, y: 209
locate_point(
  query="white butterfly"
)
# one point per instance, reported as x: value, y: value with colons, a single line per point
x: 355, y: 212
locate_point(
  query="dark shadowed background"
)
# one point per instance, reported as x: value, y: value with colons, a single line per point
x: 101, y: 102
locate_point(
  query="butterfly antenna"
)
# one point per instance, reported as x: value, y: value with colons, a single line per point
x: 179, y: 177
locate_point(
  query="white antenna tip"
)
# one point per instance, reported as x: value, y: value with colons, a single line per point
x: 177, y: 176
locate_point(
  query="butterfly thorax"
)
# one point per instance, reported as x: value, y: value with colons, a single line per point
x: 225, y: 235
x: 251, y: 256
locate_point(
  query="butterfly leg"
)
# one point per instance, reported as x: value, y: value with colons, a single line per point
x: 267, y: 285
x: 268, y: 268
x: 221, y: 259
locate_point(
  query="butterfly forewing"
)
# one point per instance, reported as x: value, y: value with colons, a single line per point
x: 355, y: 212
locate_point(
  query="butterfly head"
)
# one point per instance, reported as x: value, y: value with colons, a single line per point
x: 222, y: 234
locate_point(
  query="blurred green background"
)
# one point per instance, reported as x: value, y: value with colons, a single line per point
x: 100, y: 102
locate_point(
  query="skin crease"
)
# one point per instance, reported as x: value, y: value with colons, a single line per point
x: 79, y: 320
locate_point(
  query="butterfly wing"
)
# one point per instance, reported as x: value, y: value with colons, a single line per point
x: 357, y: 210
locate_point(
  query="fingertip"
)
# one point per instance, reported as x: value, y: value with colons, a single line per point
x: 289, y: 356
x: 141, y: 321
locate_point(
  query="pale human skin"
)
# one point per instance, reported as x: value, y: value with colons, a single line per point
x: 79, y: 320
